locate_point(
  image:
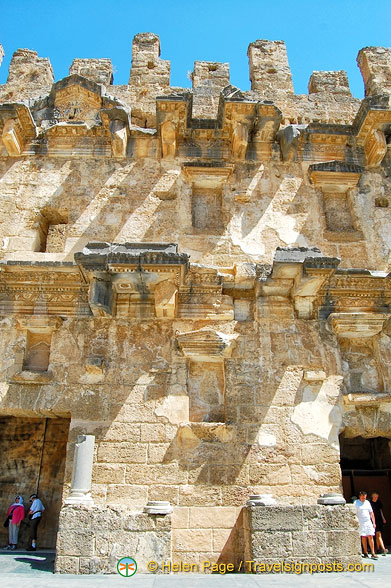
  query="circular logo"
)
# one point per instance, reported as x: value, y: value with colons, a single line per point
x: 127, y: 567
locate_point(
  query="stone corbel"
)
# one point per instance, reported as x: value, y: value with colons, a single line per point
x: 166, y: 294
x: 117, y: 121
x: 298, y: 274
x: 289, y: 139
x: 101, y: 296
x: 172, y: 114
x: 169, y: 139
x: 354, y: 325
x: 371, y: 122
x: 237, y: 118
x: 18, y: 127
x: 375, y: 147
x: 133, y: 279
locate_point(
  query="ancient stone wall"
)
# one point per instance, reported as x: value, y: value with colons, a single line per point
x: 92, y: 540
x: 324, y: 535
x: 198, y: 278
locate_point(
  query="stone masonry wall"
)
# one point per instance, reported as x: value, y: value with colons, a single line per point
x: 306, y: 534
x: 92, y: 540
x: 200, y: 279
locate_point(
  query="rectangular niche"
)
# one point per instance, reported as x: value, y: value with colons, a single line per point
x: 207, y: 183
x: 337, y: 211
x: 52, y: 231
x: 337, y: 180
x: 36, y: 358
x: 206, y: 209
x: 206, y: 391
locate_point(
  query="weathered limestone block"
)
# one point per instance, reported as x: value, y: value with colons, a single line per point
x: 117, y: 121
x: 1, y: 53
x: 168, y: 132
x: 92, y: 540
x: 332, y: 82
x: 208, y: 79
x: 29, y: 75
x: 18, y: 127
x: 375, y: 67
x: 270, y: 73
x: 98, y: 70
x: 303, y: 533
x: 147, y: 68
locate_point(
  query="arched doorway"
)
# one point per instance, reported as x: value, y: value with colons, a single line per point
x: 366, y: 465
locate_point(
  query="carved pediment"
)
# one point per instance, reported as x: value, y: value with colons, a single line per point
x: 77, y: 99
x: 206, y: 345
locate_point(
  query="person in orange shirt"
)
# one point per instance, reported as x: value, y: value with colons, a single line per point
x: 15, y: 516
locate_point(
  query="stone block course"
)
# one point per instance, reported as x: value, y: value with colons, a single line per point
x: 201, y: 276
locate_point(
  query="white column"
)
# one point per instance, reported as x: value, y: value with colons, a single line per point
x: 82, y: 471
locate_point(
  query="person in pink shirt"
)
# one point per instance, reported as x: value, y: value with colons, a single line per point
x: 15, y: 515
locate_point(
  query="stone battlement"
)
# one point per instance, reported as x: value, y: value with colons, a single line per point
x: 329, y: 98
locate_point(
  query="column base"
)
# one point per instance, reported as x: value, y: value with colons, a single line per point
x: 80, y: 498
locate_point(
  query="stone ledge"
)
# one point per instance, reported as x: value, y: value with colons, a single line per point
x: 27, y: 377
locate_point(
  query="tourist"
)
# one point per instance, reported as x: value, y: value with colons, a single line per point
x: 35, y: 515
x: 15, y: 516
x: 367, y: 524
x: 377, y: 508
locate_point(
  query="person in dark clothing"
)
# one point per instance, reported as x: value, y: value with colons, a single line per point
x: 377, y: 508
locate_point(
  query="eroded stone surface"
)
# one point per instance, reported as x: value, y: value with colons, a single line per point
x: 198, y: 278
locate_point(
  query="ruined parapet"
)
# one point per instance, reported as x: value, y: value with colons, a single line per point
x: 98, y: 70
x: 375, y: 67
x: 330, y: 82
x: 208, y: 78
x: 147, y: 67
x: 29, y: 75
x: 270, y: 74
x: 149, y: 77
x: 1, y: 53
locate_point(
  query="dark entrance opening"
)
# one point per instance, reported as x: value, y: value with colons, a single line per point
x: 366, y: 465
x: 32, y: 460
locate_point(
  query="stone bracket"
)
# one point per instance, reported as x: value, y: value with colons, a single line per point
x: 133, y: 279
x: 17, y: 127
x: 356, y: 324
x: 117, y: 121
x: 372, y: 121
x: 299, y: 274
x: 173, y: 114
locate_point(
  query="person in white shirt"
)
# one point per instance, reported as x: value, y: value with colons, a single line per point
x: 35, y: 515
x: 366, y: 521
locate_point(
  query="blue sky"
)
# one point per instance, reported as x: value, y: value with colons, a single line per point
x: 319, y: 35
